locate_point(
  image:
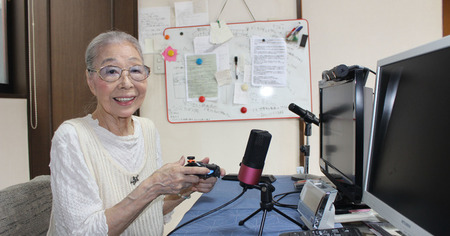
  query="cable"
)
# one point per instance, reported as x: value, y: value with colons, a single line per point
x: 277, y: 203
x: 210, y: 212
x: 32, y: 69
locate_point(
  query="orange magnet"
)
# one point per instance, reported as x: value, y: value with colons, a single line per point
x: 244, y: 110
x: 167, y: 37
x: 201, y: 99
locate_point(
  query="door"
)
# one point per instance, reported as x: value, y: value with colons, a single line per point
x: 59, y: 32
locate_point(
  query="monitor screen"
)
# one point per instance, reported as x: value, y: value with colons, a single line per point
x: 408, y: 162
x: 345, y: 115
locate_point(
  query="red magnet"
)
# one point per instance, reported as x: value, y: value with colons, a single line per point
x: 201, y: 99
x: 244, y: 110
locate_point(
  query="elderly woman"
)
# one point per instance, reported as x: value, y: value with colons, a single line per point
x: 106, y: 170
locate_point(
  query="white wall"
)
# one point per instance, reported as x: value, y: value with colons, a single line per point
x: 362, y: 32
x: 13, y: 142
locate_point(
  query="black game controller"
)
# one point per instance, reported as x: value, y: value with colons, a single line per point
x: 214, y: 170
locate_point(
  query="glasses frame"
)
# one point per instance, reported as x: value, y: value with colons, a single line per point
x: 121, y: 72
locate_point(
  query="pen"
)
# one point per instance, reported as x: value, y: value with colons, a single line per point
x: 287, y: 36
x: 298, y: 29
x: 293, y: 36
x: 236, y: 66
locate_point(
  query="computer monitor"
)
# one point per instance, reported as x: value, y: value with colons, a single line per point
x: 345, y: 118
x: 408, y: 161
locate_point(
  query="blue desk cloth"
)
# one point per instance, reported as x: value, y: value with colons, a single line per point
x: 226, y: 221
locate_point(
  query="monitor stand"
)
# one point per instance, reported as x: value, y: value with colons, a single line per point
x: 345, y: 206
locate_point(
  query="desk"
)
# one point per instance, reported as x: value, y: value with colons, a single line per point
x: 225, y: 221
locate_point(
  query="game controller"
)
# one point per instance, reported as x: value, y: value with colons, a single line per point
x: 214, y: 170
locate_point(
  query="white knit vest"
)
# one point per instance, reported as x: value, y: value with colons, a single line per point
x: 115, y: 183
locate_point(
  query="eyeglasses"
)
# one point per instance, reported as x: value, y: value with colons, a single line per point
x: 113, y: 73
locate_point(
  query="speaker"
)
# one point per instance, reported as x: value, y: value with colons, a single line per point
x: 255, y: 155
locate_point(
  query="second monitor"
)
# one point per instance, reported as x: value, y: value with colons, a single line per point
x: 345, y: 114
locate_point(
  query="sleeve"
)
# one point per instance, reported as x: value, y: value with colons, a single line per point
x: 168, y: 216
x: 77, y: 207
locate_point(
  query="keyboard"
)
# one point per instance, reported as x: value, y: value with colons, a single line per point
x: 344, y: 231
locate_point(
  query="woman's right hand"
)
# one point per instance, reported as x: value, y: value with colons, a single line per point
x: 175, y: 177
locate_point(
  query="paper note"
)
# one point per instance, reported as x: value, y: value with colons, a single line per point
x: 200, y: 6
x: 202, y: 45
x: 220, y: 33
x: 201, y: 79
x: 268, y: 61
x: 240, y: 95
x: 152, y: 22
x: 223, y: 77
x: 186, y: 14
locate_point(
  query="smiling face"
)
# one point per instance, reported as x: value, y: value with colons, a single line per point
x: 119, y: 99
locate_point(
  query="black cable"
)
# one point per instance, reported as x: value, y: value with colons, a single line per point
x: 277, y: 203
x: 210, y: 212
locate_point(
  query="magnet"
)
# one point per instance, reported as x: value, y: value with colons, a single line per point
x: 201, y: 99
x: 199, y: 61
x: 244, y: 87
x: 167, y: 37
x: 170, y: 54
x: 244, y: 110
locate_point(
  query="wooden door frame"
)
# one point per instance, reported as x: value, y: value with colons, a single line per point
x: 446, y: 17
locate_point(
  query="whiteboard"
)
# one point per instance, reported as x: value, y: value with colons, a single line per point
x: 264, y: 102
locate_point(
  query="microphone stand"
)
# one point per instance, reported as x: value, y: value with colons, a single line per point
x: 267, y: 204
x: 306, y: 150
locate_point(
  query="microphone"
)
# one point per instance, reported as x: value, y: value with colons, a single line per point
x: 307, y: 116
x: 255, y: 154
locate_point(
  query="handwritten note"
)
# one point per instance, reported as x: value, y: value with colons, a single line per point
x: 152, y: 22
x: 190, y: 13
x: 201, y: 79
x: 268, y: 61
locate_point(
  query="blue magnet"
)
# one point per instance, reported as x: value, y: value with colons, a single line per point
x: 199, y: 61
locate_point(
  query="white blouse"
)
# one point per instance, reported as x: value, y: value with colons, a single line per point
x: 71, y: 176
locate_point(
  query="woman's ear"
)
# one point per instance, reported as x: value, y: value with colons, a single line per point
x: 90, y: 82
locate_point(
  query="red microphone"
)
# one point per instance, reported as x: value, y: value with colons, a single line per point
x: 255, y: 155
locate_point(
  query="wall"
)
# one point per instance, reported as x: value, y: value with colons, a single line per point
x: 13, y: 142
x: 350, y: 32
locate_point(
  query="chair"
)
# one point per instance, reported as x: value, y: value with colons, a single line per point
x: 25, y: 208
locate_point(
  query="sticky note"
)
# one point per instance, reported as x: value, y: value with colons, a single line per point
x: 170, y: 54
x: 220, y: 33
x: 223, y: 77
